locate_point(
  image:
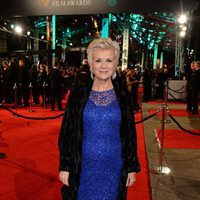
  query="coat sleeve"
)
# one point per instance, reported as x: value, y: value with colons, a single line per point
x: 131, y: 137
x: 65, y: 137
x: 132, y: 158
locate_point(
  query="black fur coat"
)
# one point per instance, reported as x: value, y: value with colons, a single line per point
x: 71, y: 134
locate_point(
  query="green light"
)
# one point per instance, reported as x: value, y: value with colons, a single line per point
x: 53, y: 32
x: 86, y: 40
x: 162, y: 33
x: 161, y: 59
x: 105, y: 28
x: 114, y: 19
x: 155, y: 56
x: 164, y: 14
x: 40, y: 23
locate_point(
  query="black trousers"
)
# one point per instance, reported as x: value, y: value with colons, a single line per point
x: 56, y: 95
x: 194, y: 101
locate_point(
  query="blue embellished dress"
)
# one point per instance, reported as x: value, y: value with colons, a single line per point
x: 101, y: 148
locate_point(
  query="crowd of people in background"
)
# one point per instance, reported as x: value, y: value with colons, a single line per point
x: 50, y: 84
x: 47, y: 84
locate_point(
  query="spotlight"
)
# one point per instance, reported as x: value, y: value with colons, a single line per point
x: 18, y: 29
x: 182, y: 19
x: 182, y: 33
x: 184, y: 28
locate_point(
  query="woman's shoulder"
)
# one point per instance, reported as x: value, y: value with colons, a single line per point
x: 79, y: 90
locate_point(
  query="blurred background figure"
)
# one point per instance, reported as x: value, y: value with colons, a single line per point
x: 23, y: 84
x: 55, y: 80
x: 83, y: 74
x: 132, y: 80
x: 195, y: 88
x: 147, y: 84
x: 4, y: 83
x: 42, y: 79
x: 189, y: 74
x: 34, y: 73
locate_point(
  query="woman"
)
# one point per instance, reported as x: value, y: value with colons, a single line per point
x: 132, y: 80
x: 97, y: 142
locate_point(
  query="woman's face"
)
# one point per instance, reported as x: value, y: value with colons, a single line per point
x: 103, y: 63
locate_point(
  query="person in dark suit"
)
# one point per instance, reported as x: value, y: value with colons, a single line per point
x: 23, y: 83
x: 147, y: 84
x: 55, y: 80
x: 189, y: 74
x: 4, y: 83
x: 83, y: 73
x: 97, y: 141
x: 195, y: 88
x: 121, y: 76
x: 34, y: 73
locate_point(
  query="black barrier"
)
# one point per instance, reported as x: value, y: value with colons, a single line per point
x: 60, y: 115
x: 177, y: 91
x: 172, y: 96
x: 34, y: 118
x: 57, y: 116
x: 176, y: 122
x: 148, y: 117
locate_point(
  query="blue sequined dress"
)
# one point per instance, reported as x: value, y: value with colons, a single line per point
x: 101, y: 149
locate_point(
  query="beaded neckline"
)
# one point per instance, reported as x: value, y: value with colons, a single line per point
x: 102, y: 98
x: 102, y: 91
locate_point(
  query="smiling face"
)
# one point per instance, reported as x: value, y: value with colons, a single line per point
x: 103, y: 64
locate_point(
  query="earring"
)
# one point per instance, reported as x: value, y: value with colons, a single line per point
x: 114, y: 75
x: 91, y: 75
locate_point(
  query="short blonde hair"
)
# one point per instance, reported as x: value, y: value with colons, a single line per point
x: 103, y: 43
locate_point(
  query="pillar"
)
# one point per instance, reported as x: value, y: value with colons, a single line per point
x: 125, y: 48
x: 53, y: 38
x: 161, y: 59
x: 155, y: 56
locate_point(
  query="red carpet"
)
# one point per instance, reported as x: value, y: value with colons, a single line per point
x: 141, y: 189
x: 180, y: 139
x: 30, y: 170
x: 174, y: 112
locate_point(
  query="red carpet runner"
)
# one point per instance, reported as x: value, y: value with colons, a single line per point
x: 31, y: 168
x: 180, y: 139
x: 141, y: 189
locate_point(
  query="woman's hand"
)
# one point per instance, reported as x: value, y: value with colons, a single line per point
x: 64, y: 177
x: 130, y: 179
